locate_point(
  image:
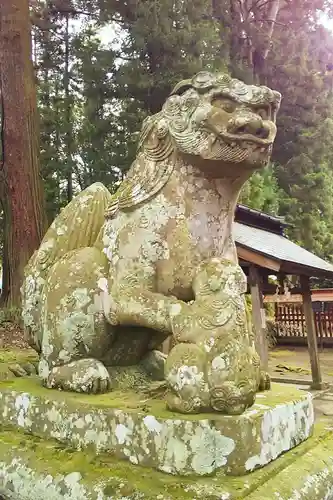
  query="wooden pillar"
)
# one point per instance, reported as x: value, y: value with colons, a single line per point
x: 311, y: 333
x: 258, y: 315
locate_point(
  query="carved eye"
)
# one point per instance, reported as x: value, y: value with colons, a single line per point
x: 264, y: 113
x: 224, y: 103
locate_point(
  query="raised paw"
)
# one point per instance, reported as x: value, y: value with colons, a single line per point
x: 84, y: 375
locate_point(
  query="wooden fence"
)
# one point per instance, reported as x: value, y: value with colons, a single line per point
x: 290, y: 323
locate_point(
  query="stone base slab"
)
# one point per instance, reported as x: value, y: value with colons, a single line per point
x: 140, y: 430
x: 32, y: 468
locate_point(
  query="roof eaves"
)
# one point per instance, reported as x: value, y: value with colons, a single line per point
x: 290, y: 267
x: 263, y: 215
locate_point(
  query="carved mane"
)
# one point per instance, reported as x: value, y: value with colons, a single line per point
x: 157, y: 153
x: 150, y: 170
x: 140, y: 185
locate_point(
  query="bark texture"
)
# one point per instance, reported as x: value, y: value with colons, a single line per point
x: 21, y: 188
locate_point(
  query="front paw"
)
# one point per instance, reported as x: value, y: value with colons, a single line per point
x: 83, y: 375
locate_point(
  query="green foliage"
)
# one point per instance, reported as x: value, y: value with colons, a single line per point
x: 303, y: 149
x: 93, y: 96
x: 97, y: 125
x: 261, y: 192
x: 248, y: 301
x: 163, y: 42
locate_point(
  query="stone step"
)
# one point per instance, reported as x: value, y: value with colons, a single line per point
x: 35, y: 469
x: 139, y: 429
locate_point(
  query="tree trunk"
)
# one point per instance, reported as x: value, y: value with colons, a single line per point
x: 273, y: 10
x: 22, y: 192
x: 68, y: 105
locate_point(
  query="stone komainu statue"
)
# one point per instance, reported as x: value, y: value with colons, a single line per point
x: 116, y: 275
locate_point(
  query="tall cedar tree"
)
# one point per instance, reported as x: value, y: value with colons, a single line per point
x: 21, y: 188
x: 278, y: 43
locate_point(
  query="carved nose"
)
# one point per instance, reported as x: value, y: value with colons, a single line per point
x: 250, y: 125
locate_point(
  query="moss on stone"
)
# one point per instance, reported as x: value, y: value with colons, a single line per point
x: 321, y: 436
x: 118, y: 478
x: 308, y: 476
x: 137, y: 428
x: 128, y: 378
x: 18, y: 356
x: 289, y: 473
x: 135, y: 401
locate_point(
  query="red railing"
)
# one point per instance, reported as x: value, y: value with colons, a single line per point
x: 290, y: 323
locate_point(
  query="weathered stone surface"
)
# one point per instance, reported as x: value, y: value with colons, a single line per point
x: 107, y: 290
x: 35, y: 469
x: 17, y: 362
x: 141, y: 431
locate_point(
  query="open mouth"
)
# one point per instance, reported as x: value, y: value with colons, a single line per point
x: 236, y: 152
x: 231, y: 138
x: 242, y: 140
x: 246, y: 143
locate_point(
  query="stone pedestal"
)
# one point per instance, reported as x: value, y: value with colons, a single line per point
x: 132, y: 427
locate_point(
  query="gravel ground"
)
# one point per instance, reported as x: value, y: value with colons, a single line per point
x: 11, y: 335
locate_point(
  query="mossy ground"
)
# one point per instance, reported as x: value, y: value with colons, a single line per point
x: 131, y: 401
x: 122, y: 479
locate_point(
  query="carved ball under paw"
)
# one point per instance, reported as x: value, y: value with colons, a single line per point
x: 231, y: 399
x: 181, y: 405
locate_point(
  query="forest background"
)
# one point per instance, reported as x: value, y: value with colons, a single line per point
x: 101, y: 66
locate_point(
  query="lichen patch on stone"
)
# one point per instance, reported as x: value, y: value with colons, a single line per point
x: 186, y: 446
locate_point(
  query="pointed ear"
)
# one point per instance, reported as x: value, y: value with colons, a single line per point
x: 181, y: 87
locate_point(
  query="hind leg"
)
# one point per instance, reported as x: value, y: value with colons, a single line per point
x: 75, y: 333
x: 77, y: 226
x: 83, y: 375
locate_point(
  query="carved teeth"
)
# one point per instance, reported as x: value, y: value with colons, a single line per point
x: 248, y: 145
